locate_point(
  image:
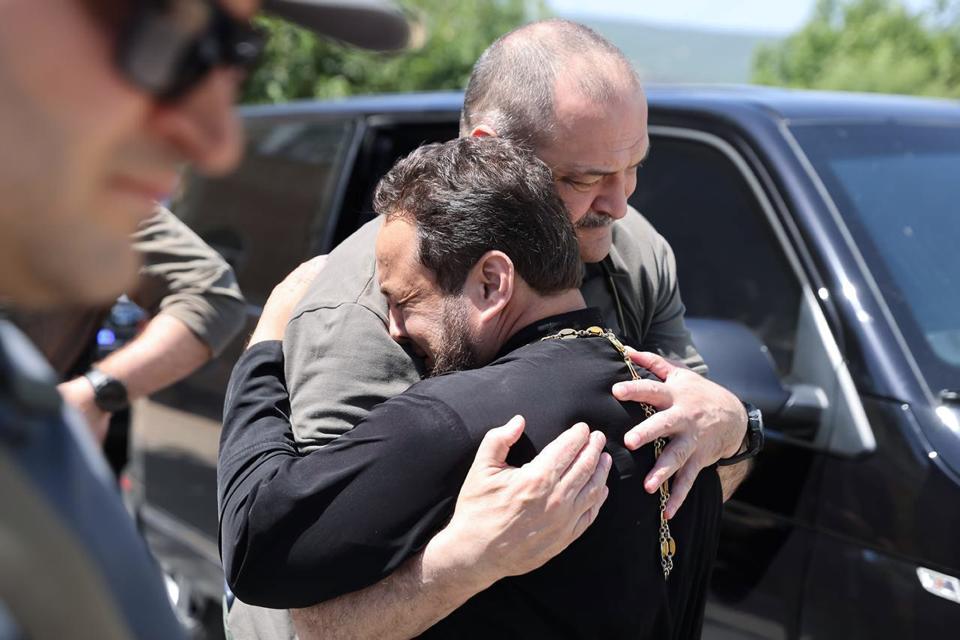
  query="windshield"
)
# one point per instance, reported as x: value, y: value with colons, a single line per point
x: 898, y: 188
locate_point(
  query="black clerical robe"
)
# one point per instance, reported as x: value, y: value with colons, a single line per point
x: 300, y: 529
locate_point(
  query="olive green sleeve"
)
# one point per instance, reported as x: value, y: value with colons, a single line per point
x: 646, y: 270
x: 339, y: 359
x: 184, y: 277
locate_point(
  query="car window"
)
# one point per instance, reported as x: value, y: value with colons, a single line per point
x: 266, y: 216
x: 730, y: 264
x: 383, y: 145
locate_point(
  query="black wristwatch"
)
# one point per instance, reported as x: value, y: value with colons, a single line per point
x: 754, y: 437
x: 109, y: 394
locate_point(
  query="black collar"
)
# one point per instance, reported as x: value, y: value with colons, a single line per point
x: 579, y: 319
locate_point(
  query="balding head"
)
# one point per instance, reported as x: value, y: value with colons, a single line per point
x: 513, y: 88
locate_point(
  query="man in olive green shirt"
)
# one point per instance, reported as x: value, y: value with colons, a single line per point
x: 196, y: 307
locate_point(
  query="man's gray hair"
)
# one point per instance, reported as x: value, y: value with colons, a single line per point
x: 511, y: 89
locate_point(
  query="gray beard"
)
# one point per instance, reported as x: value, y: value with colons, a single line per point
x: 454, y: 351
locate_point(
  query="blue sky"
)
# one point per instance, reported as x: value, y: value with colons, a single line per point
x: 770, y: 16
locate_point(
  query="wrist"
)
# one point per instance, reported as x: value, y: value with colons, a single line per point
x: 266, y: 331
x: 738, y: 438
x: 446, y: 565
x: 79, y: 393
x: 108, y: 393
x: 752, y: 441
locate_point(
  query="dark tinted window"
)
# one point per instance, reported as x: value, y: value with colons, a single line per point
x: 267, y: 216
x: 896, y: 188
x: 383, y: 145
x: 729, y: 261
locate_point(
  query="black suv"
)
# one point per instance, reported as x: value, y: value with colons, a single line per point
x: 816, y: 236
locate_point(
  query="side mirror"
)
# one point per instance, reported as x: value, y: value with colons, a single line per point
x: 741, y: 363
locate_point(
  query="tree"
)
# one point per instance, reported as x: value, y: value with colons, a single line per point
x: 297, y: 64
x: 869, y: 45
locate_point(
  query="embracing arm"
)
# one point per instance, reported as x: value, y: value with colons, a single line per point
x: 381, y: 492
x: 163, y: 353
x: 298, y: 529
x: 507, y: 522
x: 704, y: 421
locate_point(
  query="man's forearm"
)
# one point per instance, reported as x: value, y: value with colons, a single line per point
x: 423, y: 591
x: 165, y: 352
x: 162, y: 354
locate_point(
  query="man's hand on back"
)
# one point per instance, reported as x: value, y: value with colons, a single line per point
x: 704, y: 422
x: 509, y: 521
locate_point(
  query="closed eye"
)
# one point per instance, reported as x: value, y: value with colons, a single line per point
x: 581, y: 183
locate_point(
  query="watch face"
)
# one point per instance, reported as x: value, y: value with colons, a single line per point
x: 110, y: 395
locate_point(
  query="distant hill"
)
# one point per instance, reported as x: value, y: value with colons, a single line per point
x: 678, y: 54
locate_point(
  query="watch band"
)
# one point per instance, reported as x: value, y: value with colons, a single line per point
x: 753, y: 437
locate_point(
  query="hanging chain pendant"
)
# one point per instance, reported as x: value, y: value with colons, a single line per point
x: 668, y: 546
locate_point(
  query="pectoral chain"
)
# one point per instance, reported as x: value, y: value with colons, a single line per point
x: 668, y: 546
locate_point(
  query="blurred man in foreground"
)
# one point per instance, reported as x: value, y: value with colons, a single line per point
x: 101, y: 102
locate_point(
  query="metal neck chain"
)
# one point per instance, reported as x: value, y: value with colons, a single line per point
x: 668, y: 546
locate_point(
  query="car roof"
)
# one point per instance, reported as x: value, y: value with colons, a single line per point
x: 799, y: 105
x: 733, y: 101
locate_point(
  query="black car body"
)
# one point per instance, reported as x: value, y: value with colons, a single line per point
x: 816, y: 237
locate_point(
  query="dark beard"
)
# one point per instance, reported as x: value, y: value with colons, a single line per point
x: 454, y: 351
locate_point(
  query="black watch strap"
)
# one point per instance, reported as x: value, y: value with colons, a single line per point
x: 109, y: 394
x: 753, y: 438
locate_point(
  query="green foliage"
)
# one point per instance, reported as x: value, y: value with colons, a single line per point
x: 297, y: 64
x: 869, y: 45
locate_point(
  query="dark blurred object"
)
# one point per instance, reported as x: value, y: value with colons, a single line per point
x: 121, y: 325
x: 372, y: 24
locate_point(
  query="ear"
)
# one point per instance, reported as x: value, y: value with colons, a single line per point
x: 490, y: 284
x: 483, y: 131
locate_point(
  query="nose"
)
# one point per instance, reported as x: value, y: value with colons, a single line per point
x: 202, y: 126
x: 398, y: 332
x: 612, y: 199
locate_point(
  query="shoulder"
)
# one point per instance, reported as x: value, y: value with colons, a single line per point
x: 347, y: 329
x: 348, y: 276
x: 638, y: 248
x: 525, y: 377
x: 423, y: 419
x: 636, y: 239
x: 164, y: 231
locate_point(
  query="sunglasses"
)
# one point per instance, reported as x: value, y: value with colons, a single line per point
x: 167, y: 47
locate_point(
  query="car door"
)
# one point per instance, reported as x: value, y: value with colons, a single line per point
x: 738, y: 269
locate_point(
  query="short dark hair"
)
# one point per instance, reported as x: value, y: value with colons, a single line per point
x: 512, y: 85
x: 473, y: 195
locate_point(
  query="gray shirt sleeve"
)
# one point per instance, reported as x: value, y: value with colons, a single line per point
x: 339, y: 359
x: 644, y: 266
x: 185, y: 278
